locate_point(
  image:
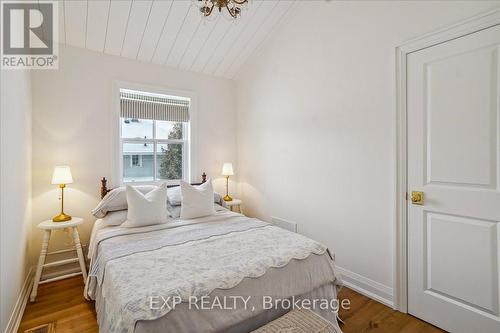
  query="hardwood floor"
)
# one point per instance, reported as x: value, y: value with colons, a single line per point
x: 62, y: 303
x: 367, y: 315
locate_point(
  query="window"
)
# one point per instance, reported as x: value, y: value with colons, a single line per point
x: 136, y: 161
x: 154, y: 135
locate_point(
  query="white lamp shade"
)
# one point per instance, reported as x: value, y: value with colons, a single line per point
x: 227, y: 169
x: 62, y: 175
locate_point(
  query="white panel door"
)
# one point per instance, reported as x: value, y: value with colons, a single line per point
x: 453, y: 157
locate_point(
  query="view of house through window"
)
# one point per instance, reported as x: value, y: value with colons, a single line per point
x: 154, y: 136
x: 136, y: 161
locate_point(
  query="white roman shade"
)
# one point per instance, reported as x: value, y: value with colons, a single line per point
x: 136, y: 105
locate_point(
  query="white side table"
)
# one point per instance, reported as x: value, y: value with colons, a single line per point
x: 235, y: 203
x: 47, y: 227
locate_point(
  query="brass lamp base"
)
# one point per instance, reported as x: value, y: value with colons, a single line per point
x: 61, y: 218
x: 227, y: 197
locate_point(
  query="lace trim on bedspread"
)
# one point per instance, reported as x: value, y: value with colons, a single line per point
x: 194, y: 269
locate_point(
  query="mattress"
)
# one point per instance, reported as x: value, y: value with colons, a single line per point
x: 245, y: 271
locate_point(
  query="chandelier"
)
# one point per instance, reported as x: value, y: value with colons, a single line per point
x: 233, y: 6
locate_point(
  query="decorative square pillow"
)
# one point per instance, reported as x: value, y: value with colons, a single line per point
x: 117, y: 200
x: 175, y: 198
x: 197, y: 201
x: 146, y: 209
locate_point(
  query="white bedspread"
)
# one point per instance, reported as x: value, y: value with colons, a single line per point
x: 183, y: 259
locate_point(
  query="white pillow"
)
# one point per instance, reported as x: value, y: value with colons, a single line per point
x: 197, y: 201
x: 175, y: 198
x: 117, y: 200
x: 114, y: 218
x: 146, y: 209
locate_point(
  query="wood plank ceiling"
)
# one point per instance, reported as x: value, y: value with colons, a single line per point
x: 170, y: 32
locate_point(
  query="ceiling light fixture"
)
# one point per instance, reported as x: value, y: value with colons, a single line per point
x: 233, y: 6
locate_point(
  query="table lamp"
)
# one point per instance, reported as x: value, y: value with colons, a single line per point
x: 227, y: 170
x: 61, y: 177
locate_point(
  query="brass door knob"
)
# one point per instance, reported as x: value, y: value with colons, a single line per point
x: 417, y: 198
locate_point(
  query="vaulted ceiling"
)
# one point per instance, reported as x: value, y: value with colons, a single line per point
x: 170, y: 32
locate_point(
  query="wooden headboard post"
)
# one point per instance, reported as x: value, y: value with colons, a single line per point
x: 105, y: 190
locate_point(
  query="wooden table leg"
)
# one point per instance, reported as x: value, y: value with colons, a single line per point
x: 81, y: 258
x: 41, y: 262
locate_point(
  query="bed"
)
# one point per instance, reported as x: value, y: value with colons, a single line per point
x: 220, y: 273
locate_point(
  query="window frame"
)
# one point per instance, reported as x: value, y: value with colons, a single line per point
x: 154, y: 141
x: 190, y: 141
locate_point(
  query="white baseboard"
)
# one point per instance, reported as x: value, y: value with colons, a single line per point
x: 22, y: 300
x: 365, y: 286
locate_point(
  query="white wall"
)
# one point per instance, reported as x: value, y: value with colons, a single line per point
x: 15, y: 189
x: 72, y: 124
x: 316, y: 125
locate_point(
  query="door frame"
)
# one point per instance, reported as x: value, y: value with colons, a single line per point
x: 466, y: 27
